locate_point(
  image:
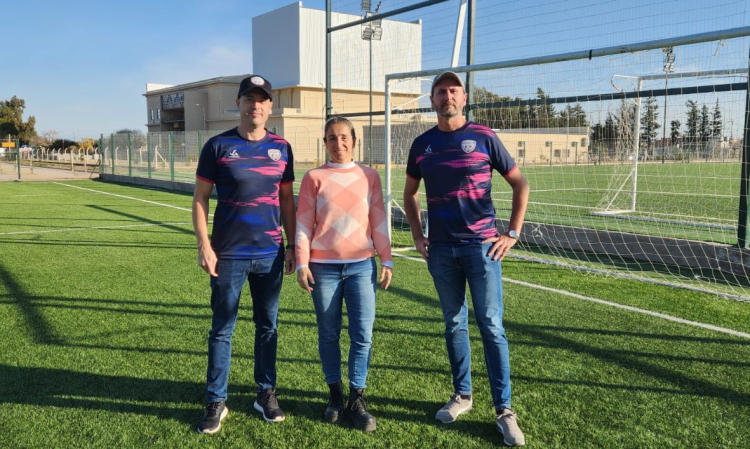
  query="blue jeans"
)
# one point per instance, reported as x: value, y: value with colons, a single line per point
x: 264, y: 276
x: 451, y: 268
x: 354, y: 283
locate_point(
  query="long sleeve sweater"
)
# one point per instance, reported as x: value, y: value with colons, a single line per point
x: 341, y: 216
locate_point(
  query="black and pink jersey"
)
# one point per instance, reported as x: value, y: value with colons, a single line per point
x: 247, y: 175
x: 457, y: 171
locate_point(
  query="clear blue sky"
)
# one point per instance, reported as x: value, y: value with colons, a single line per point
x: 82, y: 65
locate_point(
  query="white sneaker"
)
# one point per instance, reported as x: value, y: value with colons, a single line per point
x: 507, y: 425
x: 455, y: 407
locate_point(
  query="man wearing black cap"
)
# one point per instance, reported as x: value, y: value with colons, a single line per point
x: 456, y: 159
x: 253, y: 171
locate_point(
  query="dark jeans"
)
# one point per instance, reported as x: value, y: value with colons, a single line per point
x: 264, y: 276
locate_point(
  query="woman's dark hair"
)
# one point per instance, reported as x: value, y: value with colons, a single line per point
x: 336, y: 120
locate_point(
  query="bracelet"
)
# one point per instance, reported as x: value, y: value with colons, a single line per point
x: 290, y: 246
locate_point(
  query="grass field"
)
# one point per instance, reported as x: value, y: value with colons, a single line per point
x: 105, y: 317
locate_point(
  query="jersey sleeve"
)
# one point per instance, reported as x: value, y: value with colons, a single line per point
x: 500, y: 159
x: 288, y: 175
x: 207, y: 163
x: 412, y: 168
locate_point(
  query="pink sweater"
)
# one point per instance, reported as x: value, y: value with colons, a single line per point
x: 341, y: 216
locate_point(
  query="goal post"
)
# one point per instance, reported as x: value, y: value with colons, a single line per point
x: 641, y: 180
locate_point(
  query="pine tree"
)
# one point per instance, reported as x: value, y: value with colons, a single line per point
x: 650, y: 124
x: 717, y: 126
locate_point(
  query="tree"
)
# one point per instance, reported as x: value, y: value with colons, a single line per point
x: 693, y: 118
x: 674, y: 130
x: 717, y: 126
x: 492, y: 117
x: 573, y: 116
x: 704, y: 128
x: 650, y: 123
x: 11, y: 121
x: 625, y: 125
x: 87, y: 143
x: 137, y: 138
x: 63, y: 144
x: 544, y: 112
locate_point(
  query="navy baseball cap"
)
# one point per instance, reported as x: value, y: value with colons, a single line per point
x: 255, y: 82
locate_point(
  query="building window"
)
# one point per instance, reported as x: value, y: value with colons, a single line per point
x: 557, y: 153
x: 151, y: 114
x: 521, y: 153
x: 158, y: 114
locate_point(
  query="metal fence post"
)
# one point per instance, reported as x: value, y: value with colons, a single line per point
x: 148, y: 153
x: 112, y: 151
x: 130, y: 157
x: 18, y: 159
x: 171, y: 155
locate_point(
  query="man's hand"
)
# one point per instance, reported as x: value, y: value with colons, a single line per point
x: 207, y: 260
x: 422, y: 244
x: 289, y: 261
x: 500, y: 247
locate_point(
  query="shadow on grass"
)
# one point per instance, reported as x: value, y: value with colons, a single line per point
x: 74, y: 389
x: 144, y: 219
x: 629, y: 360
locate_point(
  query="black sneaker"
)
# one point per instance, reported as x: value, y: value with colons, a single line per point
x: 214, y: 414
x: 269, y: 406
x: 335, y: 407
x: 356, y: 410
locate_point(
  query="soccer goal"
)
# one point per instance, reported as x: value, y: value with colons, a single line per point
x: 634, y: 165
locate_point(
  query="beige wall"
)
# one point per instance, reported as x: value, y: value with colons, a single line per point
x: 538, y: 153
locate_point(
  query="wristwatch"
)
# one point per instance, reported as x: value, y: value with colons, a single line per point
x: 512, y: 233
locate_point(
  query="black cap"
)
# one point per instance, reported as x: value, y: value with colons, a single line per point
x: 255, y: 82
x: 444, y: 75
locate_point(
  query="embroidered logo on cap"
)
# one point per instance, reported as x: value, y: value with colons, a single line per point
x: 258, y: 81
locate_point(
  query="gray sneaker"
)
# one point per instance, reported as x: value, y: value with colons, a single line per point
x: 456, y: 406
x: 507, y: 425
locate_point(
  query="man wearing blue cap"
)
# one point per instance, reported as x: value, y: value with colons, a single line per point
x: 252, y: 170
x: 456, y: 159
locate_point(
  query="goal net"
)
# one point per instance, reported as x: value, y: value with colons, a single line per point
x: 633, y: 155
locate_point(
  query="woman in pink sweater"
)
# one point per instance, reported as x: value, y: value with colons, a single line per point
x: 341, y: 223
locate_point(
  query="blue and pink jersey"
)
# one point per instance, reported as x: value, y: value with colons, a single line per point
x: 457, y: 171
x: 247, y: 175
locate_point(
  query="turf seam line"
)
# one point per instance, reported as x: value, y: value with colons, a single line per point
x: 613, y: 304
x: 129, y: 197
x: 47, y: 231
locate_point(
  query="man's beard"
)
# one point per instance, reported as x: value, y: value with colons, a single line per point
x: 448, y: 113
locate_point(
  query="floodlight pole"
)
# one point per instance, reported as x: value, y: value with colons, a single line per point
x: 372, y: 31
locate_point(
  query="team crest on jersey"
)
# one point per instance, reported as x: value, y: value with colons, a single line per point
x: 233, y: 155
x: 275, y: 155
x: 469, y: 145
x: 428, y: 150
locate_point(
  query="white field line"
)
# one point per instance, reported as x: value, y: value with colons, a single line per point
x: 129, y: 198
x: 613, y: 304
x: 47, y: 231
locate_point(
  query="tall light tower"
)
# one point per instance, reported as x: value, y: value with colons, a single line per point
x: 371, y: 31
